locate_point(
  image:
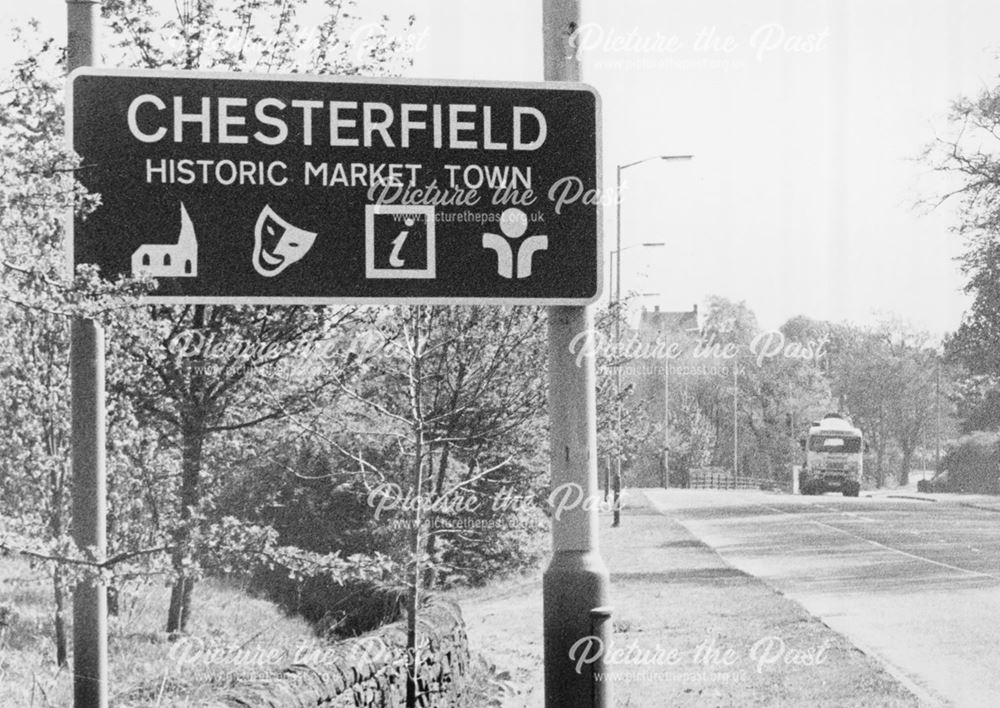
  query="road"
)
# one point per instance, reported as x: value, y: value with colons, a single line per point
x: 914, y: 583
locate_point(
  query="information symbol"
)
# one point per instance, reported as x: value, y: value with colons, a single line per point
x: 399, y: 241
x: 397, y: 245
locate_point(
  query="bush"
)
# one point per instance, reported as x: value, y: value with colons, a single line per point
x: 332, y: 609
x: 324, y: 509
x: 321, y: 511
x: 971, y: 464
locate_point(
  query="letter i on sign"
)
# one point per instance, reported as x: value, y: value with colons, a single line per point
x: 397, y: 245
x: 399, y: 241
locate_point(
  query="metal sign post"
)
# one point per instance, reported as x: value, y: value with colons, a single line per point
x: 90, y: 620
x: 576, y: 580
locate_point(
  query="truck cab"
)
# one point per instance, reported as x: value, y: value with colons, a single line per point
x: 833, y: 457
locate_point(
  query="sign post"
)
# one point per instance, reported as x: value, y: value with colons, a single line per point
x: 576, y: 580
x: 90, y: 620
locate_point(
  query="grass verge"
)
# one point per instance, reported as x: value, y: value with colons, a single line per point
x: 231, y: 635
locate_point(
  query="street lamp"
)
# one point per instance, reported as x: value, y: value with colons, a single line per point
x: 648, y: 244
x: 937, y: 416
x: 665, y: 481
x: 618, y: 323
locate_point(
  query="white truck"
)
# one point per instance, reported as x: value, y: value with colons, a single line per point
x: 834, y: 450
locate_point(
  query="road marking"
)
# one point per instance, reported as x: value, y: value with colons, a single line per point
x: 890, y: 548
x: 859, y: 516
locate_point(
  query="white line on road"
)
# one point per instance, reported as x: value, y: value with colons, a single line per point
x: 890, y: 548
x: 859, y: 516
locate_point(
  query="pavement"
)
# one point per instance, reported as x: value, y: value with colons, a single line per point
x: 989, y: 502
x: 671, y: 592
x: 912, y: 579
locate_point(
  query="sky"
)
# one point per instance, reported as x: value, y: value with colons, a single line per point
x: 805, y: 118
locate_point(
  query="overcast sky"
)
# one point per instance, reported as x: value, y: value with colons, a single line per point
x: 805, y: 118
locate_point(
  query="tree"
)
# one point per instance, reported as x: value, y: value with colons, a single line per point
x: 783, y: 381
x: 915, y: 412
x: 36, y: 192
x: 191, y: 403
x: 624, y: 423
x: 439, y: 418
x: 976, y: 400
x: 860, y: 367
x: 968, y: 157
x: 886, y: 378
x: 192, y: 398
x: 37, y: 189
x: 739, y: 375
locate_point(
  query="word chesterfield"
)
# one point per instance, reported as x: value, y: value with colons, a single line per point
x: 233, y: 120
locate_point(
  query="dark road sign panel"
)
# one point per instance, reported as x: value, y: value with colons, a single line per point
x: 240, y: 188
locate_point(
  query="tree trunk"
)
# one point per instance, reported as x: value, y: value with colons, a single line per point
x: 114, y: 608
x: 60, y: 599
x: 417, y: 423
x: 180, y: 604
x: 717, y: 451
x: 879, y: 456
x: 904, y: 473
x: 616, y: 489
x: 111, y: 528
x: 412, y: 607
x: 56, y: 526
x: 192, y: 428
x: 192, y: 443
x: 439, y: 481
x: 880, y: 452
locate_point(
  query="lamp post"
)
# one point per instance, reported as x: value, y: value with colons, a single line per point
x: 615, y: 255
x: 736, y: 434
x: 937, y: 416
x: 666, y: 419
x: 618, y: 320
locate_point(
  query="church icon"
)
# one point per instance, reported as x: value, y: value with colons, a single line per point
x: 178, y: 260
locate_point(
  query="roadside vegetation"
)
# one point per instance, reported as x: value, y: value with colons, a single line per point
x: 146, y: 667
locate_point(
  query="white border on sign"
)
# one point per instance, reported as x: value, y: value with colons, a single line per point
x: 317, y: 78
x: 372, y: 272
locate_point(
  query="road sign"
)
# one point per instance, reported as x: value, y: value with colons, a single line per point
x: 241, y: 188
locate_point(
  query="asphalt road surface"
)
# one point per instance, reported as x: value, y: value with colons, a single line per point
x: 914, y: 583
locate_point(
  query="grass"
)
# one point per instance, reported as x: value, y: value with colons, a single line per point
x: 230, y: 634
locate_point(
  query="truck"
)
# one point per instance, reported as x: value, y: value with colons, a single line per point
x: 833, y: 457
